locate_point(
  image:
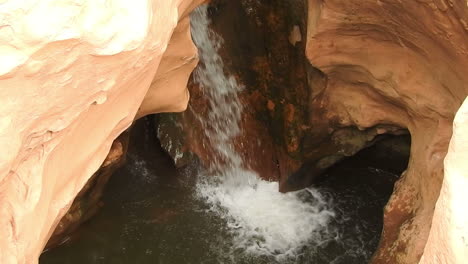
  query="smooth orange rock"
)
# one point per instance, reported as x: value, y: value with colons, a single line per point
x: 401, y: 63
x: 72, y: 78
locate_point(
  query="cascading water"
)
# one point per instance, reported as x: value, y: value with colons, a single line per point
x: 263, y: 221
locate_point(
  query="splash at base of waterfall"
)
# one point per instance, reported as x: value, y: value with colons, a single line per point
x: 264, y: 221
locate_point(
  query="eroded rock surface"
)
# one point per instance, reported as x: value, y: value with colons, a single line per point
x: 72, y: 78
x: 401, y: 63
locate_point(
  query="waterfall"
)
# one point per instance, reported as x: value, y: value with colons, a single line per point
x: 262, y: 220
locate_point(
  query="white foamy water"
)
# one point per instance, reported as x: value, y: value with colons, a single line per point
x: 262, y: 220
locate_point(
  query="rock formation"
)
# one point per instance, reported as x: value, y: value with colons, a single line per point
x: 72, y: 78
x: 401, y: 64
x: 323, y: 83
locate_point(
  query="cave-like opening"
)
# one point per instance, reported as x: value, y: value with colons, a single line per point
x: 150, y: 214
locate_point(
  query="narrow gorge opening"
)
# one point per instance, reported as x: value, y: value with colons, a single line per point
x: 178, y: 200
x: 304, y: 117
x: 151, y: 213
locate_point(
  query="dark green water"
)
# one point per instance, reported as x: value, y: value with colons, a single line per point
x: 150, y: 215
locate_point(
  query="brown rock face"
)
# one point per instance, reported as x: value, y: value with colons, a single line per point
x: 323, y: 79
x: 259, y: 54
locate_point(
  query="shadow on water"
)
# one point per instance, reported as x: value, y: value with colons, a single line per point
x: 150, y: 214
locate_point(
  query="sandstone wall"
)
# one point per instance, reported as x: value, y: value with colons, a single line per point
x: 72, y: 78
x: 398, y: 63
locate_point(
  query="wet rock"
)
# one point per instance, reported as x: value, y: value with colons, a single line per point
x: 259, y: 55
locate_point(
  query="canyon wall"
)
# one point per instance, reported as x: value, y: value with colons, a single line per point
x: 72, y: 78
x: 398, y: 63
